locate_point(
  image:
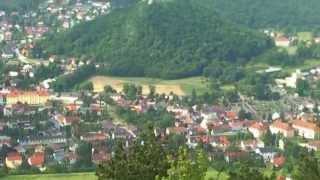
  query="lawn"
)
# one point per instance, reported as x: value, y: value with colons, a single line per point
x: 213, y: 174
x: 308, y: 64
x: 85, y: 176
x: 180, y: 86
x: 70, y: 176
x: 305, y: 36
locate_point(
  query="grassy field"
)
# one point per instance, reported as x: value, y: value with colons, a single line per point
x: 213, y: 174
x: 71, y: 176
x: 179, y: 87
x: 305, y: 36
x: 85, y: 176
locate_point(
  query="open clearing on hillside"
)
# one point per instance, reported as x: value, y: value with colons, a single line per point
x: 179, y: 87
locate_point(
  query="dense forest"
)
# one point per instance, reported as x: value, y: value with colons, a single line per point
x: 288, y: 14
x: 169, y: 39
x: 19, y: 5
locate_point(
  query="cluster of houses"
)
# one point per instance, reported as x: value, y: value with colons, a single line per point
x: 311, y: 75
x: 65, y: 13
x: 53, y: 136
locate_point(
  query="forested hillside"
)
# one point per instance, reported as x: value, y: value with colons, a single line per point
x: 293, y: 14
x: 169, y: 39
x: 19, y: 5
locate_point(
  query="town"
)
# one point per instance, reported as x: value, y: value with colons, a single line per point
x: 46, y: 129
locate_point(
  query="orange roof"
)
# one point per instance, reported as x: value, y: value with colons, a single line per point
x: 37, y: 159
x: 281, y: 125
x: 281, y: 38
x: 259, y: 126
x: 14, y: 156
x: 306, y: 125
x: 28, y: 93
x: 279, y: 161
x: 231, y: 115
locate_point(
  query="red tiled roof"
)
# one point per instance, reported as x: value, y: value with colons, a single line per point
x: 101, y: 157
x: 278, y: 161
x: 224, y: 140
x: 235, y: 123
x: 281, y: 38
x: 37, y: 159
x: 306, y: 125
x: 14, y: 156
x: 281, y: 125
x: 259, y: 126
x: 27, y: 93
x: 178, y: 130
x: 231, y: 115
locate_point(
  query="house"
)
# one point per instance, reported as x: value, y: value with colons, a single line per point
x: 231, y: 115
x: 316, y: 40
x: 5, y: 140
x: 236, y: 125
x: 278, y: 161
x: 235, y: 156
x: 72, y: 157
x: 61, y: 120
x: 94, y: 136
x: 313, y: 145
x: 266, y: 152
x: 36, y: 160
x: 258, y: 129
x: 177, y: 130
x: 305, y: 129
x: 13, y: 160
x: 58, y: 155
x: 290, y: 81
x: 282, y: 41
x: 101, y: 156
x: 248, y: 145
x: 278, y: 127
x: 27, y: 97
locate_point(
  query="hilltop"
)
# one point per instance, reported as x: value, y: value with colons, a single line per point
x: 289, y: 14
x: 167, y: 39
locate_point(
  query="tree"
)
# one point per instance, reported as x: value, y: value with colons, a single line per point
x: 144, y: 160
x: 108, y: 89
x: 152, y: 92
x: 187, y: 167
x: 175, y: 141
x: 247, y: 173
x: 307, y: 167
x: 84, y: 152
x: 303, y: 87
x: 269, y: 139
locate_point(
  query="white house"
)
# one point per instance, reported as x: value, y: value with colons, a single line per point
x: 282, y: 41
x: 258, y: 129
x: 305, y: 129
x: 281, y: 127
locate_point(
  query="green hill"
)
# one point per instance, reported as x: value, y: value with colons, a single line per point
x: 19, y: 5
x: 167, y: 39
x: 292, y: 14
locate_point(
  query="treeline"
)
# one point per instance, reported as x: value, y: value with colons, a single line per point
x: 19, y: 5
x: 68, y: 81
x: 169, y: 40
x: 288, y: 14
